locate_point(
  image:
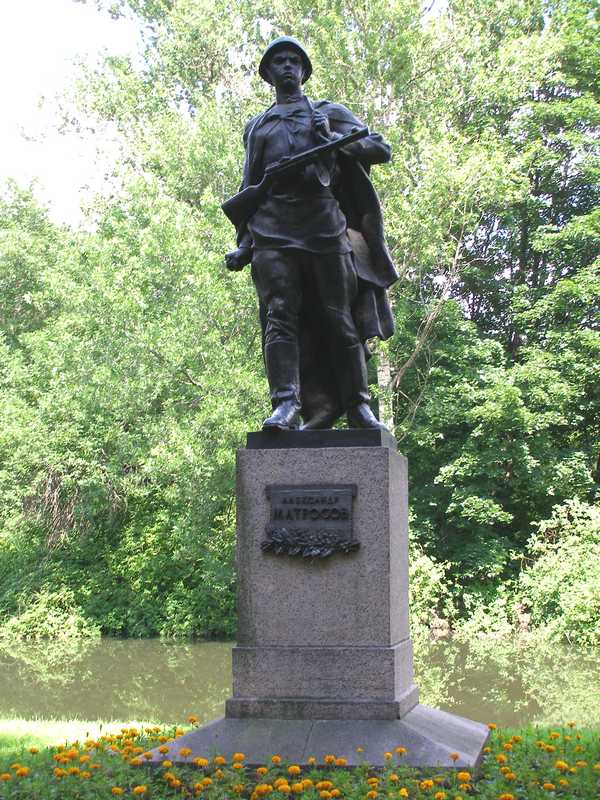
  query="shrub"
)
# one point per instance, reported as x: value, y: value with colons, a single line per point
x: 48, y: 615
x: 561, y: 587
x: 431, y: 605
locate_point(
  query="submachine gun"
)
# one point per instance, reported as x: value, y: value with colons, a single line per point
x: 242, y: 205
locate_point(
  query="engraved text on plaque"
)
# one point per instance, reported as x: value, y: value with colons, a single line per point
x: 310, y: 521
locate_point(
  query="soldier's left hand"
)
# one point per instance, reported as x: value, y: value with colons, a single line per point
x: 320, y: 123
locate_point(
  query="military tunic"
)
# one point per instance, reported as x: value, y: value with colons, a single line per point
x: 299, y: 212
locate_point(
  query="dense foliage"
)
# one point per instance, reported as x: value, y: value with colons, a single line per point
x: 130, y: 362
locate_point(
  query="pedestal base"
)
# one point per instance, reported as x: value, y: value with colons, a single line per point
x: 428, y: 735
x: 323, y: 661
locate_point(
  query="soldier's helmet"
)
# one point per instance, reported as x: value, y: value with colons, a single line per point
x: 278, y: 44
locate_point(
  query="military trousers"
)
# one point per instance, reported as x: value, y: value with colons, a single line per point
x: 285, y: 281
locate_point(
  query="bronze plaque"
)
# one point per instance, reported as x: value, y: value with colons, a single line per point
x: 310, y: 521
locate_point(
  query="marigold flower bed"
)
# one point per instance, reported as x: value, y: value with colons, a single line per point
x: 531, y: 764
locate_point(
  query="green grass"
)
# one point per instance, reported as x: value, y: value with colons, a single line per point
x: 529, y: 764
x: 18, y: 735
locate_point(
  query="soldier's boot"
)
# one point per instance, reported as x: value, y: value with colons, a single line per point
x: 282, y: 361
x: 355, y: 390
x: 362, y: 416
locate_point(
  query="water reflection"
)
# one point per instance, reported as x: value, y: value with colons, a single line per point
x: 512, y: 682
x: 117, y: 679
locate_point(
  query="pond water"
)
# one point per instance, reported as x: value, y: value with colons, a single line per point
x: 510, y: 682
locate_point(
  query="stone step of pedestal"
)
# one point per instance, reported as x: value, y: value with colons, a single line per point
x: 318, y: 708
x: 325, y: 673
x: 428, y: 735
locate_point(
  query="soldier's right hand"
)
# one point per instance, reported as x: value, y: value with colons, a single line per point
x: 237, y: 259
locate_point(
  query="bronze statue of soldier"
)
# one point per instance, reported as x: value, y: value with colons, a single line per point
x: 315, y: 240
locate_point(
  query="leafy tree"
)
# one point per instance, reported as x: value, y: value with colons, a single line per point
x: 130, y: 359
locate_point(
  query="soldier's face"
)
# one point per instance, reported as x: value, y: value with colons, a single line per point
x: 286, y: 69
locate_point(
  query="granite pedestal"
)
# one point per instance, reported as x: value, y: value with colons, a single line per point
x: 323, y: 662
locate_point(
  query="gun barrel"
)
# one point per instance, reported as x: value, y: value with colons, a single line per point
x: 242, y: 205
x: 314, y: 153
